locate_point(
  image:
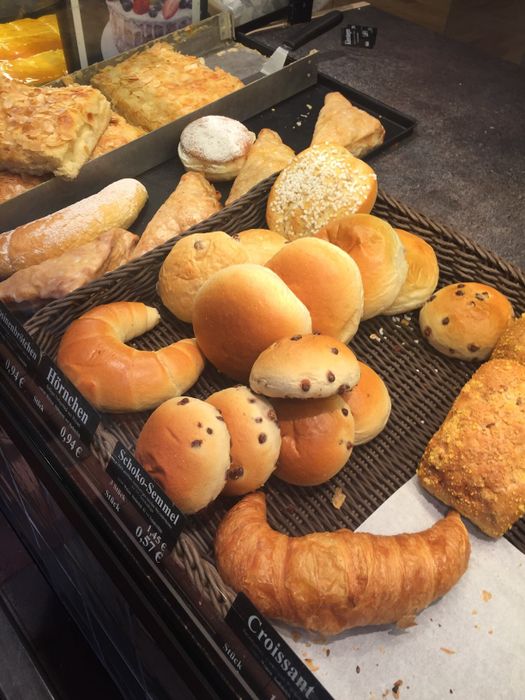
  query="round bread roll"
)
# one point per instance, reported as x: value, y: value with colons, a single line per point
x: 317, y: 438
x: 215, y: 146
x: 185, y: 446
x: 511, y: 344
x: 240, y: 311
x: 379, y: 254
x: 327, y: 281
x: 191, y: 261
x: 422, y: 276
x: 370, y: 404
x: 465, y: 320
x: 305, y: 367
x: 260, y: 244
x: 255, y: 438
x: 115, y: 377
x: 321, y: 183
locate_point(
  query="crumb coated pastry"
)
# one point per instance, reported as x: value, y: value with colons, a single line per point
x: 185, y: 446
x: 216, y: 146
x: 260, y: 244
x: 193, y: 260
x: 317, y: 438
x: 475, y: 462
x: 370, y: 404
x: 328, y: 282
x: 255, y: 438
x: 465, y: 320
x: 511, y: 344
x: 156, y: 85
x: 49, y: 130
x: 321, y: 183
x: 305, y: 367
x: 422, y: 276
x: 240, y: 311
x: 379, y: 254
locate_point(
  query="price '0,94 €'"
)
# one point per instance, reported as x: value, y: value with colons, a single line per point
x: 151, y: 541
x: 14, y: 373
x: 72, y: 442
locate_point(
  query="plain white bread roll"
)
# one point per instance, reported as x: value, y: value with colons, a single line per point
x: 260, y: 244
x: 422, y: 276
x: 328, y: 282
x: 379, y: 254
x: 317, y: 438
x: 370, y: 404
x: 216, y: 146
x: 240, y: 311
x: 465, y: 320
x: 185, y: 446
x: 191, y: 261
x: 321, y: 183
x: 255, y: 438
x: 305, y: 367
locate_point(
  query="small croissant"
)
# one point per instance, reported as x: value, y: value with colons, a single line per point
x: 332, y: 581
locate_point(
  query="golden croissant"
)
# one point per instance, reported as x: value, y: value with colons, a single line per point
x: 332, y: 581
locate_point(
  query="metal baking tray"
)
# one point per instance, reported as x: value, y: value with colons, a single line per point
x: 214, y: 40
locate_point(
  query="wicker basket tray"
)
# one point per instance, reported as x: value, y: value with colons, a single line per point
x: 422, y: 383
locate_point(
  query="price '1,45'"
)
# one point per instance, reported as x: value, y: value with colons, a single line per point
x: 151, y: 541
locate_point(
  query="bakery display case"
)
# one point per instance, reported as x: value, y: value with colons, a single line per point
x: 171, y: 608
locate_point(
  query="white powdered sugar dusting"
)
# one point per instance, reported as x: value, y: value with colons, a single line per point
x: 216, y: 139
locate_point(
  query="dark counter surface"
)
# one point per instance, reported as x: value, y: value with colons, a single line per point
x: 464, y: 166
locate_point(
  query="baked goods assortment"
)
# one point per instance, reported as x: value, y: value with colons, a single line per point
x: 329, y: 582
x: 465, y: 320
x: 115, y: 206
x: 185, y: 446
x: 157, y: 85
x: 49, y: 130
x: 476, y: 461
x: 328, y: 282
x: 215, y: 146
x: 116, y: 377
x: 343, y: 124
x: 321, y: 183
x: 193, y: 200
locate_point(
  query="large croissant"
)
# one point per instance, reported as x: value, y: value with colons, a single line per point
x: 332, y: 581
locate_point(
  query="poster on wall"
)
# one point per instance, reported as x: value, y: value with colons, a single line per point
x: 104, y: 28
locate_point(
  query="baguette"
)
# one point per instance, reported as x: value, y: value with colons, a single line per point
x: 332, y: 581
x: 116, y: 206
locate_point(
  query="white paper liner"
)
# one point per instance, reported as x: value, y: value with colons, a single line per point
x: 470, y: 644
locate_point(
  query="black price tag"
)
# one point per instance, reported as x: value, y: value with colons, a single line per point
x: 68, y: 400
x: 359, y: 36
x: 15, y: 336
x: 280, y: 662
x: 59, y: 424
x: 163, y: 520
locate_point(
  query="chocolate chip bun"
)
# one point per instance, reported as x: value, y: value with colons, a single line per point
x: 317, y: 438
x: 511, y: 344
x: 191, y: 261
x: 305, y: 367
x: 255, y: 438
x: 260, y: 244
x: 370, y: 404
x: 422, y: 276
x: 240, y: 311
x: 321, y: 183
x: 465, y: 320
x: 215, y: 146
x: 328, y: 282
x: 185, y: 446
x: 379, y: 254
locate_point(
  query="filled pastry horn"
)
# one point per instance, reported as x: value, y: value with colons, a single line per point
x: 332, y: 581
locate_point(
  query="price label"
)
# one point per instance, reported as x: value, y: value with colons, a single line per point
x: 163, y: 521
x: 359, y: 36
x: 14, y: 372
x: 18, y: 340
x: 68, y: 400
